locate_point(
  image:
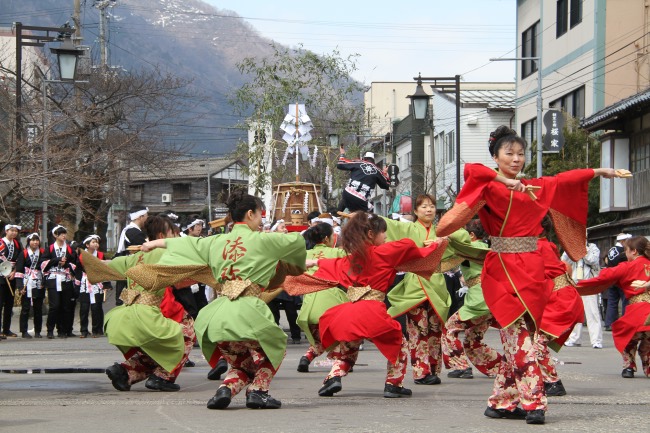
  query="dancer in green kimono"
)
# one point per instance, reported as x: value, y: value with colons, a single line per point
x: 425, y: 302
x: 238, y: 325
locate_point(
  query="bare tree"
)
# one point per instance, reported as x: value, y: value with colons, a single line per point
x: 95, y: 132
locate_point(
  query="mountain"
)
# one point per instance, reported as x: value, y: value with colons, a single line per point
x: 190, y: 38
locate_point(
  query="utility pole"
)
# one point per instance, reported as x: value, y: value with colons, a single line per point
x: 102, y: 5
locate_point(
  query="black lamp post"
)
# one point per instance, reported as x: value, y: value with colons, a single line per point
x: 35, y: 40
x: 419, y: 114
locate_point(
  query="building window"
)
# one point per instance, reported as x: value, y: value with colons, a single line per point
x: 181, y: 192
x: 529, y: 130
x: 576, y: 13
x: 450, y: 147
x: 135, y: 193
x: 640, y: 151
x: 529, y: 49
x: 572, y: 103
x: 408, y: 159
x: 562, y: 20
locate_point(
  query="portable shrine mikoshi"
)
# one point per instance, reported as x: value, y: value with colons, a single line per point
x: 292, y: 202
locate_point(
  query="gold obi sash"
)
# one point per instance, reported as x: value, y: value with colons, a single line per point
x: 365, y: 293
x: 513, y: 245
x: 641, y: 297
x: 233, y: 289
x: 562, y: 281
x: 131, y: 296
x: 473, y: 281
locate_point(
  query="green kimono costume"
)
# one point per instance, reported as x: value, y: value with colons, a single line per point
x: 242, y: 254
x: 315, y: 304
x: 139, y: 326
x: 474, y: 304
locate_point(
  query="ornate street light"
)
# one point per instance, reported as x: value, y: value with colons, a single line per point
x: 419, y: 101
x: 67, y: 56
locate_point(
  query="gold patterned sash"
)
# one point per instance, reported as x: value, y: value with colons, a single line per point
x: 365, y: 293
x: 473, y: 281
x: 641, y: 297
x: 233, y: 289
x: 130, y: 297
x: 449, y: 264
x: 513, y: 245
x: 562, y: 281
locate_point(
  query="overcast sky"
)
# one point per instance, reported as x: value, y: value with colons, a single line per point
x: 395, y: 39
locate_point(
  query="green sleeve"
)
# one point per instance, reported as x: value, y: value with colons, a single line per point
x: 398, y: 230
x: 124, y: 263
x: 291, y: 247
x: 188, y: 251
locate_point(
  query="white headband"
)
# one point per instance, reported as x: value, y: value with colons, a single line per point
x: 172, y: 216
x: 33, y: 235
x: 90, y: 238
x: 337, y: 220
x: 277, y: 223
x: 329, y: 221
x: 138, y: 214
x: 194, y: 223
x: 12, y: 226
x: 58, y: 227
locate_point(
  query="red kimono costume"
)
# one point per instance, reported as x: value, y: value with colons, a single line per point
x: 633, y: 328
x: 366, y: 317
x: 513, y: 281
x: 563, y: 310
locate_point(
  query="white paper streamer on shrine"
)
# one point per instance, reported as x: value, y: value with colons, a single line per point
x: 306, y: 202
x: 296, y: 126
x: 328, y: 178
x: 313, y: 160
x: 284, y: 203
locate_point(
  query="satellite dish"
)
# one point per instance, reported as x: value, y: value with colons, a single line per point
x: 5, y: 268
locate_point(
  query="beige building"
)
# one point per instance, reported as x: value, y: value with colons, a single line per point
x: 594, y: 53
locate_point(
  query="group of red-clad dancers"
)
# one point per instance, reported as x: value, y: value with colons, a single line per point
x: 518, y: 285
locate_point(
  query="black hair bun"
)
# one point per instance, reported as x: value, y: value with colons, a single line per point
x: 498, y: 134
x: 235, y: 197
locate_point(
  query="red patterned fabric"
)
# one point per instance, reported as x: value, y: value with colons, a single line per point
x: 637, y: 315
x: 564, y: 307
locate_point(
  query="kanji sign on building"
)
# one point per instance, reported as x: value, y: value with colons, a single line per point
x: 554, y: 138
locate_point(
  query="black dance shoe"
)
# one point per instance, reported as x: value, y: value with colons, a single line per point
x: 461, y: 374
x: 331, y: 387
x: 159, y: 384
x: 429, y: 379
x: 37, y: 335
x: 517, y: 413
x: 50, y: 335
x: 218, y: 370
x: 535, y: 417
x: 554, y: 389
x: 117, y: 374
x: 261, y: 400
x: 190, y: 363
x: 221, y: 399
x: 628, y: 373
x: 25, y: 335
x: 392, y: 391
x: 303, y: 365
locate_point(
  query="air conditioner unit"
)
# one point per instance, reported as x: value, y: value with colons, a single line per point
x: 166, y: 198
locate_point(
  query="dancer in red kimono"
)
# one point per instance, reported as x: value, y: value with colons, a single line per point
x: 513, y: 280
x: 367, y: 273
x: 632, y: 330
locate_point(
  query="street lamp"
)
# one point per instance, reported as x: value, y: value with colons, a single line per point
x: 419, y: 110
x: 419, y: 101
x: 67, y: 56
x: 67, y: 59
x: 538, y: 60
x: 31, y: 40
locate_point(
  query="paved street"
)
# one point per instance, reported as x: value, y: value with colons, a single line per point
x: 599, y: 400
